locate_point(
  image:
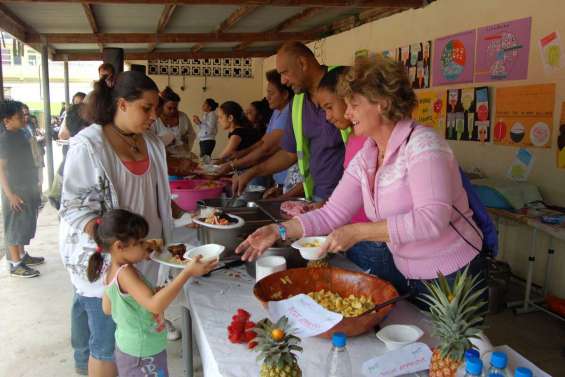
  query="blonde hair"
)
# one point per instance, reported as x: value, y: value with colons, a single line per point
x: 381, y: 80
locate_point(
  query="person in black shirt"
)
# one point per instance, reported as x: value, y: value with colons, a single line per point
x: 241, y: 135
x: 20, y: 189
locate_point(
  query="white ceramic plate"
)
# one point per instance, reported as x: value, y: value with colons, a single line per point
x: 240, y: 222
x: 209, y: 252
x: 539, y: 134
x: 397, y: 336
x: 165, y: 257
x: 310, y: 253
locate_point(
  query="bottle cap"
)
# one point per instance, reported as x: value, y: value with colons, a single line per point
x: 474, y: 366
x: 498, y: 360
x: 471, y: 352
x: 522, y: 372
x: 339, y: 339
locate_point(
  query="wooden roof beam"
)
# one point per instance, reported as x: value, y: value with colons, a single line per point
x: 164, y: 20
x: 89, y: 13
x: 173, y: 37
x: 291, y: 21
x: 280, y: 3
x: 155, y: 55
x: 12, y: 24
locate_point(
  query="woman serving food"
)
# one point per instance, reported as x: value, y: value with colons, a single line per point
x: 405, y: 177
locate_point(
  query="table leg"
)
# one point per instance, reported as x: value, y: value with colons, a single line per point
x: 550, y: 252
x: 187, y: 351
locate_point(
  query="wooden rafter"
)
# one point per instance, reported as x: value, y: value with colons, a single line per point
x: 89, y: 13
x: 280, y: 3
x: 163, y: 22
x: 155, y: 55
x: 12, y: 24
x: 291, y: 21
x: 172, y: 37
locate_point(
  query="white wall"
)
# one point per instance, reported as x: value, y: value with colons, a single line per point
x: 445, y: 17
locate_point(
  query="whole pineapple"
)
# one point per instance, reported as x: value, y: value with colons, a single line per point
x: 457, y: 313
x: 277, y: 346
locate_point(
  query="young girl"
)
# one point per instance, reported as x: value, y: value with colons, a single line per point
x: 136, y: 309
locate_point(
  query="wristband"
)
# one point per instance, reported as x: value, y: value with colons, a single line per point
x: 282, y: 232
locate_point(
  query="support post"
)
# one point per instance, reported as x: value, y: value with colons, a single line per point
x: 47, y: 111
x: 66, y: 73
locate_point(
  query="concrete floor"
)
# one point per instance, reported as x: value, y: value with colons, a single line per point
x: 35, y: 328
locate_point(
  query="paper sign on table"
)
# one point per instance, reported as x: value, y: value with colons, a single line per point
x: 413, y: 358
x: 305, y: 315
x: 521, y: 166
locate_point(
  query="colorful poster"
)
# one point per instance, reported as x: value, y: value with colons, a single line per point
x: 551, y: 52
x: 468, y: 114
x: 503, y: 50
x: 417, y: 60
x: 431, y: 107
x: 524, y: 115
x: 454, y: 58
x: 521, y: 166
x: 561, y: 140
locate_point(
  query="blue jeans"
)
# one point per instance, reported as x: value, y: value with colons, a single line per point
x: 376, y: 258
x: 92, y: 331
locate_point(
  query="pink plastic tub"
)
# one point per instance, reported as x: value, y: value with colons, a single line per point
x: 188, y: 194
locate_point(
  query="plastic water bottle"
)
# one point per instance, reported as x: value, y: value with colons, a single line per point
x: 523, y: 372
x: 469, y: 354
x: 473, y: 367
x: 498, y: 363
x: 339, y: 363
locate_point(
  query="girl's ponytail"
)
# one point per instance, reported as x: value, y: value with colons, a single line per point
x: 96, y: 260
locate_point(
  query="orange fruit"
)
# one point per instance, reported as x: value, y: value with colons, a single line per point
x: 277, y: 335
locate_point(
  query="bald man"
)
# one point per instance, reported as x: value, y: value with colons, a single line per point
x: 322, y: 156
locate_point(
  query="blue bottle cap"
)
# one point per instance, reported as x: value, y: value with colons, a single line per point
x: 471, y: 352
x: 474, y: 366
x: 523, y: 372
x: 498, y: 360
x: 339, y: 339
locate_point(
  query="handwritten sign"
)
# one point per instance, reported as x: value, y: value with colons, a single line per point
x: 413, y: 358
x: 305, y: 315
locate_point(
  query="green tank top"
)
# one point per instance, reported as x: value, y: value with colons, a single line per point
x: 139, y: 332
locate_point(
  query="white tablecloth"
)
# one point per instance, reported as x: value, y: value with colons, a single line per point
x: 214, y: 300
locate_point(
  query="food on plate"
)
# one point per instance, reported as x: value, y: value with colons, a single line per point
x: 219, y: 217
x: 351, y: 306
x: 178, y: 259
x: 320, y: 263
x: 178, y: 249
x: 315, y: 243
x: 294, y: 207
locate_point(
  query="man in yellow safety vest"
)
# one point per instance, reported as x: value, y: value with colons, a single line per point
x: 310, y: 139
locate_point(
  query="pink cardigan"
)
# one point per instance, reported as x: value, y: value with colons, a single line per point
x: 414, y: 190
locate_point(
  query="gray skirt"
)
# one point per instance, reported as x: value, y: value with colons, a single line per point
x: 19, y: 227
x: 131, y: 366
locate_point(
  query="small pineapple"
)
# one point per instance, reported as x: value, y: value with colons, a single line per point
x: 456, y: 313
x: 277, y: 346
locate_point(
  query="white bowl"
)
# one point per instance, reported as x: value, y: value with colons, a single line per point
x: 397, y: 336
x: 307, y: 252
x: 209, y: 252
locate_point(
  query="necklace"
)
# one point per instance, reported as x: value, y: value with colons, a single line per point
x: 125, y: 137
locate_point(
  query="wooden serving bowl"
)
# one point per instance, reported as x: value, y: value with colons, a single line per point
x: 337, y: 280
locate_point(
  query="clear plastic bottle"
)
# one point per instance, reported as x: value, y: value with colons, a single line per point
x: 339, y: 363
x: 498, y: 364
x: 523, y: 372
x: 473, y: 367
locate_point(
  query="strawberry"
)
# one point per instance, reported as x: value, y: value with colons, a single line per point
x: 251, y: 345
x: 234, y: 338
x: 249, y: 325
x: 249, y: 336
x: 237, y: 327
x: 243, y: 315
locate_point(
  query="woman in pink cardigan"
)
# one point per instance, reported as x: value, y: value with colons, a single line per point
x: 405, y: 177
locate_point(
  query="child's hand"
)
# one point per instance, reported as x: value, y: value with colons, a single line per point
x: 198, y: 268
x: 15, y: 202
